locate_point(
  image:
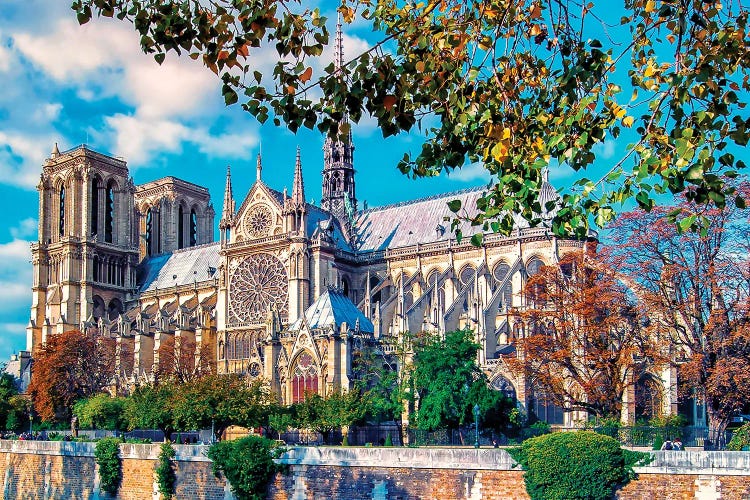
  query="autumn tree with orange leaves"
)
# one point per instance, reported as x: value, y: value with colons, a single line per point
x: 67, y: 367
x: 584, y: 338
x: 696, y: 289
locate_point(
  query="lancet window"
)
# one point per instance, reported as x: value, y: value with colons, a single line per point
x: 304, y: 378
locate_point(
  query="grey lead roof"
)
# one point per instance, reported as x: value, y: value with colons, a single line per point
x: 331, y: 310
x: 181, y: 267
x: 412, y: 222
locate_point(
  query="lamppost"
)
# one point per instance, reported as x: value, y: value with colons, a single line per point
x: 476, y: 425
x: 31, y: 423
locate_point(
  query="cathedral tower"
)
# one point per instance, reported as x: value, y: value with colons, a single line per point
x: 84, y: 261
x: 295, y: 211
x: 339, y: 196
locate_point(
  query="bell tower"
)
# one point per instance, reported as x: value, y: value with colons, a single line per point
x: 84, y: 262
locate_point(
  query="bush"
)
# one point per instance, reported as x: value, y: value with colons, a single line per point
x: 110, y: 468
x: 165, y: 475
x: 740, y: 438
x: 595, y: 465
x: 247, y: 464
x: 388, y: 440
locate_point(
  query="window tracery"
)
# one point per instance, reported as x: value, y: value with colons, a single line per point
x: 258, y: 221
x: 304, y: 378
x: 256, y: 284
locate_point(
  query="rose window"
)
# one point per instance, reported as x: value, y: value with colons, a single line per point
x: 258, y: 221
x: 255, y: 284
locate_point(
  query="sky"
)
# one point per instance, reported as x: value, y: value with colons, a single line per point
x: 69, y: 84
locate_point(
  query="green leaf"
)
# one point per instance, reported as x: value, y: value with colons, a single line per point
x: 454, y: 206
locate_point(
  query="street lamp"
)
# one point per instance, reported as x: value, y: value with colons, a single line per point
x: 476, y: 425
x: 31, y: 423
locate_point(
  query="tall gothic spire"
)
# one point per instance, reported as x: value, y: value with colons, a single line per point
x: 228, y: 211
x: 298, y: 189
x: 338, y: 55
x: 339, y: 196
x: 258, y: 168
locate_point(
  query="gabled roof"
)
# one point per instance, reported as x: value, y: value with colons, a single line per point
x: 182, y: 267
x: 331, y: 310
x: 412, y: 222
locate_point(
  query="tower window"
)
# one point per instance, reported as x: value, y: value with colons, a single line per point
x: 94, y: 206
x: 149, y: 230
x: 109, y: 214
x: 62, y: 210
x: 193, y: 228
x: 181, y: 228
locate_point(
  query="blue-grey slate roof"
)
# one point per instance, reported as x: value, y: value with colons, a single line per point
x: 182, y: 267
x: 331, y: 310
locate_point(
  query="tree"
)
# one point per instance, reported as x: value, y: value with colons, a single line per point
x: 696, y: 287
x: 67, y: 367
x: 377, y: 377
x: 447, y: 382
x: 512, y: 85
x: 585, y: 344
x: 221, y: 401
x: 177, y: 360
x: 330, y: 413
x: 150, y: 407
x: 101, y: 411
x: 8, y: 390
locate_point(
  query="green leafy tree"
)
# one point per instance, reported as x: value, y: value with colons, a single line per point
x: 8, y: 390
x: 377, y: 377
x: 150, y: 407
x: 281, y: 419
x: 512, y: 85
x: 331, y: 413
x: 165, y: 474
x: 101, y: 412
x: 448, y: 383
x: 221, y: 400
x: 19, y: 407
x: 247, y: 464
x: 107, y: 454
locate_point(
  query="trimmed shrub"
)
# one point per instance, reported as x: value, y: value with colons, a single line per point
x: 107, y: 455
x: 594, y: 465
x: 740, y: 438
x: 165, y: 475
x: 247, y: 464
x: 388, y: 440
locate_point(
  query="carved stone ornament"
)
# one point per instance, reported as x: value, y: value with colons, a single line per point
x: 256, y: 283
x: 258, y: 221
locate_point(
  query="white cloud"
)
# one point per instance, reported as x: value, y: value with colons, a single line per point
x: 47, y: 112
x: 140, y: 139
x: 15, y: 274
x: 25, y: 228
x: 20, y: 159
x: 605, y: 150
x: 470, y: 173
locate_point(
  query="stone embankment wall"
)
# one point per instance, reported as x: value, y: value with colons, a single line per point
x: 38, y: 470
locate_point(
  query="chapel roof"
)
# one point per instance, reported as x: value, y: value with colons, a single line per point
x: 332, y: 309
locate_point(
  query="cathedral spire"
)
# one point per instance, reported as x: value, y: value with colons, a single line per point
x: 258, y: 168
x: 339, y: 195
x: 228, y: 212
x: 298, y: 190
x: 338, y: 57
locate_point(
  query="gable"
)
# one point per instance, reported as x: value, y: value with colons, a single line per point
x: 260, y: 214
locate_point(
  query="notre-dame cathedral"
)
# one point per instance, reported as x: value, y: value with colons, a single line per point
x: 289, y: 289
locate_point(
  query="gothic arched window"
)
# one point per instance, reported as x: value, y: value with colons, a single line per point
x: 181, y: 228
x: 149, y: 231
x: 498, y: 276
x: 109, y: 213
x: 467, y: 274
x: 534, y: 266
x: 96, y: 268
x: 62, y: 210
x: 304, y: 378
x: 193, y: 228
x: 94, y: 206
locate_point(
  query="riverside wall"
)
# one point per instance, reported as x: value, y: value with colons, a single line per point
x: 67, y: 470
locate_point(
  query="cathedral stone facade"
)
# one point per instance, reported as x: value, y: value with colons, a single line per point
x: 290, y: 290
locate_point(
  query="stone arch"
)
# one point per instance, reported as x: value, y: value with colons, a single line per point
x: 114, y: 309
x: 467, y: 273
x: 98, y: 308
x: 110, y: 209
x: 193, y: 225
x: 534, y: 265
x: 649, y: 397
x: 304, y: 374
x: 502, y: 384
